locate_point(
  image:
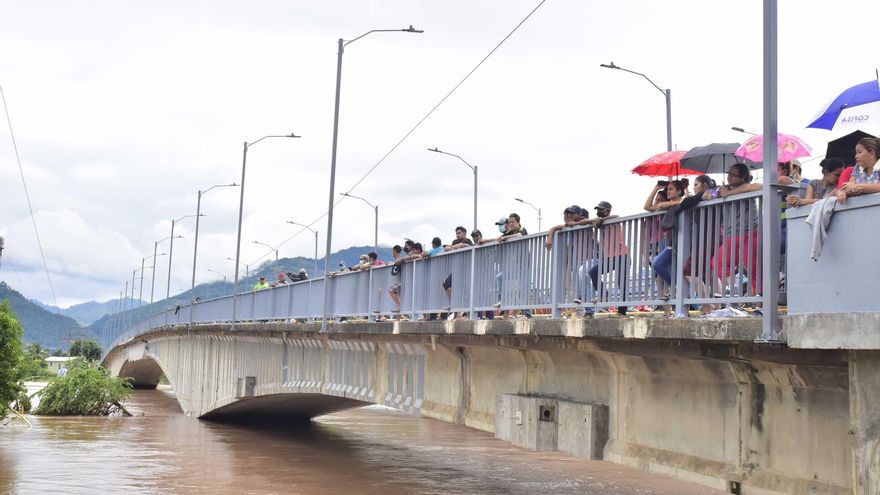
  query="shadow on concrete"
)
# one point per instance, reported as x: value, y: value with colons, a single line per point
x: 282, y: 408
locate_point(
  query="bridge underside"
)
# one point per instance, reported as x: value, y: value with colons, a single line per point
x: 144, y: 373
x: 282, y: 408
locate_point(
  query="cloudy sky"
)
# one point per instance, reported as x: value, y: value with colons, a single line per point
x: 123, y: 110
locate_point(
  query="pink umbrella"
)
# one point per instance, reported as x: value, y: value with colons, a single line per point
x: 788, y: 148
x: 666, y: 164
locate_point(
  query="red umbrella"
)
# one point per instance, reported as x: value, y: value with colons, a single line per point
x: 666, y: 164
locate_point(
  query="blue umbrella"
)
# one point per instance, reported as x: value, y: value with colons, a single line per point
x: 857, y: 106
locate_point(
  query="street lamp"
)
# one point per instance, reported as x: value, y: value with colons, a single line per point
x: 740, y: 129
x: 240, y: 212
x: 535, y: 208
x: 472, y: 167
x: 218, y: 273
x: 247, y: 269
x: 153, y: 284
x: 153, y: 268
x: 375, y: 221
x: 342, y: 45
x: 291, y: 222
x: 268, y: 246
x: 198, y: 214
x: 666, y: 92
x: 171, y: 252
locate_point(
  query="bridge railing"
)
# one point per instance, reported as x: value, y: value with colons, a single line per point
x: 715, y: 258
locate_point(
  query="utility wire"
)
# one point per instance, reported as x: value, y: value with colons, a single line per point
x: 28, y: 196
x: 418, y: 124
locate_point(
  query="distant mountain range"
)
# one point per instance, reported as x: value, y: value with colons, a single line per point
x: 47, y: 325
x: 40, y: 325
x: 85, y: 313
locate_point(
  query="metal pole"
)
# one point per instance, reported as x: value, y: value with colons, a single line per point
x: 770, y: 197
x: 238, y: 239
x: 141, y: 285
x: 170, y: 257
x: 195, y: 246
x: 539, y: 220
x: 332, y: 189
x: 315, y: 273
x: 376, y: 231
x: 153, y: 284
x: 123, y: 321
x: 475, y: 198
x: 668, y: 120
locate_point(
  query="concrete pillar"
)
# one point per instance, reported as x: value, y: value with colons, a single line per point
x: 864, y: 408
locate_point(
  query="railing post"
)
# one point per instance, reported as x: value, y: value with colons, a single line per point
x: 555, y: 278
x: 415, y: 265
x: 471, y: 299
x: 370, y: 316
x: 682, y: 253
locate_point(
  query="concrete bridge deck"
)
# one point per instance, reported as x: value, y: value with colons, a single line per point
x: 697, y: 399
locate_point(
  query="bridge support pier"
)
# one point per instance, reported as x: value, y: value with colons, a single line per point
x: 864, y: 400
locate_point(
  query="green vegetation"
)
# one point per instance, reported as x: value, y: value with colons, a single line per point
x: 40, y: 326
x: 86, y: 390
x: 88, y: 349
x: 34, y: 365
x: 11, y: 358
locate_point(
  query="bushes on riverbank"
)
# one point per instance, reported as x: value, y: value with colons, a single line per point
x: 11, y: 357
x: 85, y: 391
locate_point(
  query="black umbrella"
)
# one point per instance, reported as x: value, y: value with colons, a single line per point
x: 844, y: 147
x: 715, y: 158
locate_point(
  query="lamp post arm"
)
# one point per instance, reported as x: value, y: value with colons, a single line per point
x: 646, y: 78
x: 405, y: 30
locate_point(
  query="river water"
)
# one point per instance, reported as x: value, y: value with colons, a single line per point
x: 371, y: 450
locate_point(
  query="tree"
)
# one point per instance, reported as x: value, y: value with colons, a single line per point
x: 84, y: 391
x: 11, y: 357
x: 88, y: 349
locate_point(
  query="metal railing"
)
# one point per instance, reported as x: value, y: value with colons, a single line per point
x: 714, y: 256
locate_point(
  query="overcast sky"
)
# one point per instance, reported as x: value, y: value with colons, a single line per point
x: 123, y: 110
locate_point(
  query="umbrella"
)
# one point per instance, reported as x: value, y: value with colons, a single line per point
x: 664, y: 164
x: 858, y: 105
x: 844, y: 147
x: 788, y: 148
x: 714, y: 158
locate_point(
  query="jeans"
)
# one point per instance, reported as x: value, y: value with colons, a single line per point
x: 662, y: 265
x: 622, y: 267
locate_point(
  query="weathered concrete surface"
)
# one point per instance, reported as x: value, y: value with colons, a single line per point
x: 865, y: 411
x: 833, y: 330
x: 694, y: 399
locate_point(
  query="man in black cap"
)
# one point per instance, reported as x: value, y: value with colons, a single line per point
x: 577, y: 261
x: 613, y: 254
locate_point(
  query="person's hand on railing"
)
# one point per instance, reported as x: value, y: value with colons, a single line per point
x: 793, y: 200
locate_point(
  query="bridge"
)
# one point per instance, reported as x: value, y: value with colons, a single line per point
x: 711, y: 400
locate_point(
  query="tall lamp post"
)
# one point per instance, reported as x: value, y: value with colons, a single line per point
x: 667, y: 93
x: 241, y: 212
x: 535, y: 208
x: 153, y: 283
x: 332, y: 196
x: 171, y: 252
x: 740, y: 129
x: 375, y: 219
x: 472, y: 167
x: 196, y: 245
x: 153, y: 268
x: 218, y: 273
x: 291, y: 222
x: 247, y: 268
x: 268, y: 246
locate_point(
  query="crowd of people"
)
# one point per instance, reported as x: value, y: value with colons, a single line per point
x: 730, y: 251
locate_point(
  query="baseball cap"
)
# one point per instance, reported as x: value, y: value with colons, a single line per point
x: 477, y: 232
x: 573, y: 210
x: 501, y: 221
x: 603, y: 205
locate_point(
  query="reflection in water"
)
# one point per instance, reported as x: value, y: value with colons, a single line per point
x: 365, y: 451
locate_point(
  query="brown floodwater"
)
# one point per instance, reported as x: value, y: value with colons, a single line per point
x: 371, y: 450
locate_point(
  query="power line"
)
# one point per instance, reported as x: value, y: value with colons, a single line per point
x: 418, y: 124
x: 28, y: 197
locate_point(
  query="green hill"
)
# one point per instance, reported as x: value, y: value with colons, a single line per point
x: 42, y: 326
